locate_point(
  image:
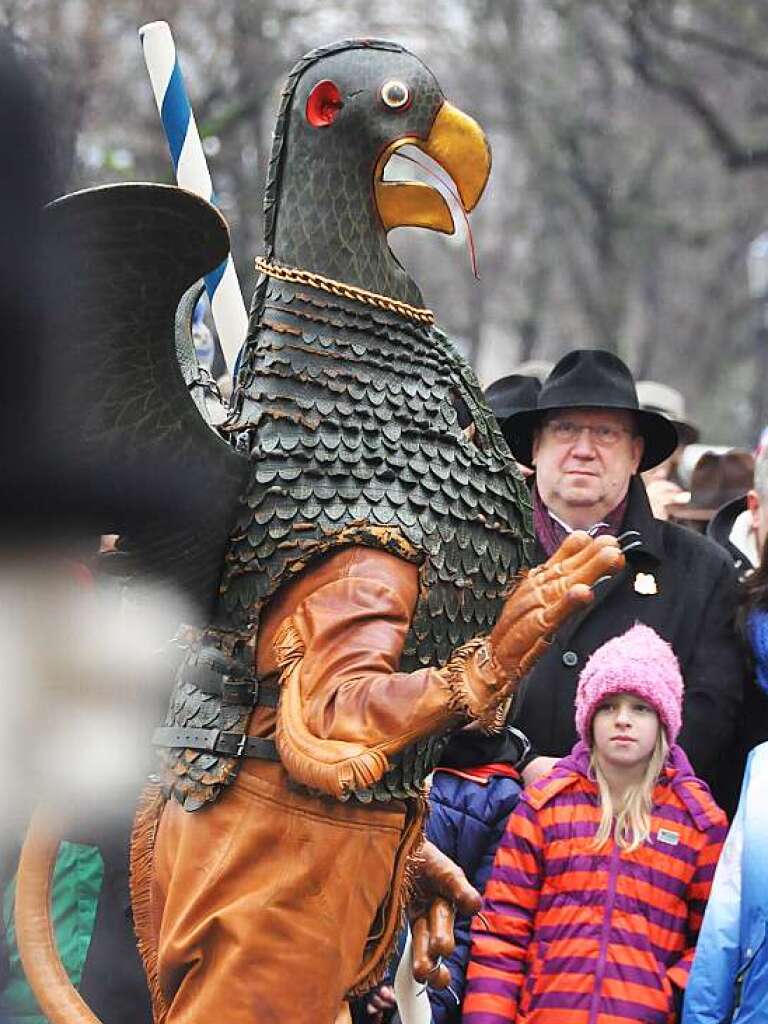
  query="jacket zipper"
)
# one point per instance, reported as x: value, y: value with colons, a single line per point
x: 613, y: 873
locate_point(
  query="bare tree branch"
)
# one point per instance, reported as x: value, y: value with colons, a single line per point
x: 660, y: 72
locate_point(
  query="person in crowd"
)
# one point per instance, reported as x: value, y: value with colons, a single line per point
x: 510, y: 395
x: 654, y: 396
x: 755, y: 588
x: 93, y: 929
x: 588, y: 441
x: 663, y: 483
x: 752, y: 621
x: 717, y: 478
x: 729, y: 977
x: 601, y: 879
x: 740, y: 525
x: 741, y: 528
x: 474, y: 790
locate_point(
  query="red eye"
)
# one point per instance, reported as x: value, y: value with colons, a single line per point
x: 323, y: 104
x: 396, y: 95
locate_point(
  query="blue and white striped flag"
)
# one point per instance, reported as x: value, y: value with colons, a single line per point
x: 222, y: 285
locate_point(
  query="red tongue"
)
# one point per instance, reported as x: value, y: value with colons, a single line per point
x: 449, y: 185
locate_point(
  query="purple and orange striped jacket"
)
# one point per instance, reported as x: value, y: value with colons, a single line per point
x: 571, y: 935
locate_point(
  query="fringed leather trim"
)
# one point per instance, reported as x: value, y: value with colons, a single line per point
x: 498, y: 720
x: 146, y: 821
x: 381, y: 942
x: 463, y: 698
x: 336, y: 767
x: 288, y: 646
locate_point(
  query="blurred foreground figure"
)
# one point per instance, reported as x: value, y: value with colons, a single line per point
x: 67, y: 736
x: 26, y: 184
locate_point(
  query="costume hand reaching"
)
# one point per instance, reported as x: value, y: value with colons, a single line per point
x: 487, y: 671
x: 441, y: 889
x: 546, y: 597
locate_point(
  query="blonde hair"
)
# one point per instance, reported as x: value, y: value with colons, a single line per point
x: 630, y: 824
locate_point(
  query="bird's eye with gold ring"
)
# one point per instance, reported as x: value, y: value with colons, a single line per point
x: 396, y: 95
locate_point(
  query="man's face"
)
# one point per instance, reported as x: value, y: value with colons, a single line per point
x: 585, y: 459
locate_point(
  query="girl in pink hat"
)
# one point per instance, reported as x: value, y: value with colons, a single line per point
x: 599, y: 885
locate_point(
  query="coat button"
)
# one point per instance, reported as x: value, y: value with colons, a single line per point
x: 570, y: 659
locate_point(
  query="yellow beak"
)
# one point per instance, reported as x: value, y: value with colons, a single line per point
x: 456, y: 142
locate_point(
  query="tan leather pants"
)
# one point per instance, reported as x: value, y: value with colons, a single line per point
x: 261, y: 904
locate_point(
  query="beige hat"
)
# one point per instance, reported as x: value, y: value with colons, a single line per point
x: 539, y: 368
x: 656, y: 397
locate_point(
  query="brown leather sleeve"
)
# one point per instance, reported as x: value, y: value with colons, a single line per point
x: 336, y: 636
x: 345, y: 707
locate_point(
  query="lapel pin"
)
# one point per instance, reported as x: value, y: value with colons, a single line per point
x: 645, y: 583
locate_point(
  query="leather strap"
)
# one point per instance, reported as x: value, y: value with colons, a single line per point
x: 230, y: 744
x: 215, y: 673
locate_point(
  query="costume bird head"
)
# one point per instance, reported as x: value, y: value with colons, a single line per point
x: 346, y: 109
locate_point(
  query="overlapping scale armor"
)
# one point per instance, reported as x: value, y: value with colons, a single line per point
x: 348, y: 414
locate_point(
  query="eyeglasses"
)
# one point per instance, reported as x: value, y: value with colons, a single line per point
x: 604, y: 435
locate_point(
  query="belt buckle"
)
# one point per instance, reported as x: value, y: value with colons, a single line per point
x: 241, y: 745
x: 240, y: 692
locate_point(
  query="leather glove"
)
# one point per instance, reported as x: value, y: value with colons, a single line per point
x: 486, y: 671
x: 441, y: 889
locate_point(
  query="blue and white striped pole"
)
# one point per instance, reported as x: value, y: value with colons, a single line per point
x: 222, y: 285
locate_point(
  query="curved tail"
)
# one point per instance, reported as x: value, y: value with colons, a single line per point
x: 56, y: 995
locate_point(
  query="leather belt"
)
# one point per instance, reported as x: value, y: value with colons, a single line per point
x: 230, y: 744
x: 215, y: 673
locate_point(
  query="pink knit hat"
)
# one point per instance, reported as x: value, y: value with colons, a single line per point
x: 640, y: 662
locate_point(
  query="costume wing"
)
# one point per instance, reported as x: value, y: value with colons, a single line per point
x: 167, y: 482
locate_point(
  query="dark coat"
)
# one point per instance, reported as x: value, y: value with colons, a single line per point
x: 693, y: 609
x: 719, y: 529
x: 474, y: 790
x: 753, y: 726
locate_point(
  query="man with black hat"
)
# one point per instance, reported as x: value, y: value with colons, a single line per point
x: 510, y: 395
x: 588, y: 441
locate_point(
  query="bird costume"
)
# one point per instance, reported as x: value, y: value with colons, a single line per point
x: 348, y: 547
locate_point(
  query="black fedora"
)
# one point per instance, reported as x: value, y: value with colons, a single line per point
x: 594, y: 379
x: 510, y: 395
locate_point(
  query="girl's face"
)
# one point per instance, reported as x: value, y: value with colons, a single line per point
x: 624, y: 730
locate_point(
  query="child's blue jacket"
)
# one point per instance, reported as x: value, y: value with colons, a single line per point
x: 729, y: 977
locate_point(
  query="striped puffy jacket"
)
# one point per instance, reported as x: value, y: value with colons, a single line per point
x: 570, y: 935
